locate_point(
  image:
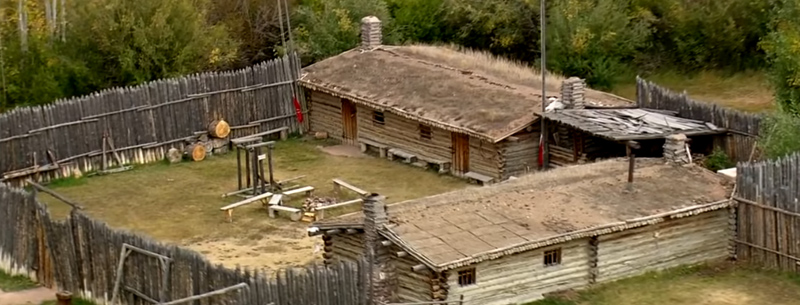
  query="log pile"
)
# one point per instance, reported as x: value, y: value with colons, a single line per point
x: 215, y: 140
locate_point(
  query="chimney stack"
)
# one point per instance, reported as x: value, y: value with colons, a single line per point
x: 573, y: 92
x: 675, y: 149
x: 371, y: 36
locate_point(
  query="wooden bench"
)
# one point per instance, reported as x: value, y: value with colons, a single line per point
x: 407, y: 157
x: 277, y: 199
x: 320, y: 211
x: 306, y: 189
x: 339, y: 183
x: 295, y: 214
x: 365, y: 144
x: 478, y: 178
x: 228, y: 209
x: 443, y: 166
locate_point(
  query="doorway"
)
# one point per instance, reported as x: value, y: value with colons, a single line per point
x: 460, y: 153
x: 349, y: 123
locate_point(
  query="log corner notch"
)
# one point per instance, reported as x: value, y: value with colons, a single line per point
x: 327, y: 255
x: 439, y: 286
x: 219, y: 129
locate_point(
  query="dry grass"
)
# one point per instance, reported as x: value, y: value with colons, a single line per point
x: 719, y: 284
x: 482, y: 62
x: 748, y: 91
x: 180, y: 203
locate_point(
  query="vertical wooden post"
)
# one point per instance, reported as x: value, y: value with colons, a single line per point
x: 239, y: 166
x: 269, y: 161
x: 254, y: 160
x: 629, y: 147
x: 247, y: 168
x: 105, y: 160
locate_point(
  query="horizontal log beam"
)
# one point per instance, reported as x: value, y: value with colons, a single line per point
x: 796, y: 259
x: 419, y: 268
x: 386, y: 243
x: 63, y: 125
x: 58, y: 196
x: 766, y: 207
x: 402, y: 254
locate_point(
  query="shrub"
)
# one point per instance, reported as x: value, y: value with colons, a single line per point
x: 718, y: 160
x: 781, y: 135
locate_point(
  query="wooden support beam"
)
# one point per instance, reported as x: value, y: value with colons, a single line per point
x: 419, y: 268
x: 333, y: 232
x: 386, y: 243
x: 766, y: 207
x: 207, y: 294
x: 141, y: 295
x: 58, y: 196
x: 402, y: 254
x: 796, y: 259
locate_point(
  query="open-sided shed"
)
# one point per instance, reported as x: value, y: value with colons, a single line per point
x: 568, y: 228
x: 588, y: 134
x: 468, y: 113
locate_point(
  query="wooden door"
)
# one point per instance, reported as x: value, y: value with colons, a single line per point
x: 460, y: 153
x: 349, y: 123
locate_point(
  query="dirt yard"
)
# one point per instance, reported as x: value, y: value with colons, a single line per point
x: 180, y: 203
x: 718, y: 284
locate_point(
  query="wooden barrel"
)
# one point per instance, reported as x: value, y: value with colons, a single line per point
x: 196, y: 152
x: 219, y: 129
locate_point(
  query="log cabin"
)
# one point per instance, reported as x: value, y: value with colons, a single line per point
x: 515, y: 241
x: 467, y: 113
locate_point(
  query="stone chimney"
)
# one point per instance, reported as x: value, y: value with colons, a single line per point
x: 380, y: 287
x: 675, y: 149
x: 572, y: 93
x: 371, y: 36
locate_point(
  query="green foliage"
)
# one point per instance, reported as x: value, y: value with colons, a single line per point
x: 783, y: 53
x: 10, y: 283
x: 509, y: 28
x: 329, y: 27
x: 419, y: 20
x: 594, y: 39
x: 781, y: 135
x: 718, y: 160
x: 75, y: 301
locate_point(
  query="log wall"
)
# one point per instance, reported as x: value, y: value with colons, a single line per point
x: 325, y: 114
x: 347, y: 247
x: 144, y: 121
x: 484, y: 158
x: 411, y: 286
x: 522, y: 277
x: 690, y: 240
x: 403, y: 133
x: 519, y: 154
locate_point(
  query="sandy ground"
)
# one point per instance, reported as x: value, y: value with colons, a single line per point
x: 343, y: 151
x: 30, y: 296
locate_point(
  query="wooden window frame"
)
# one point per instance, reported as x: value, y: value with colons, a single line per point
x: 378, y: 118
x: 425, y: 132
x: 467, y: 277
x: 552, y: 257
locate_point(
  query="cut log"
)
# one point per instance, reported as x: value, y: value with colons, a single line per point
x: 174, y: 155
x: 209, y: 146
x: 196, y: 152
x: 217, y: 143
x: 219, y: 129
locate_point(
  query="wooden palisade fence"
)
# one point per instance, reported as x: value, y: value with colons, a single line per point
x: 768, y: 220
x: 81, y: 255
x: 144, y: 121
x: 743, y: 127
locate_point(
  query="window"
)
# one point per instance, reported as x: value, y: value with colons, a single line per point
x: 466, y: 277
x: 378, y: 118
x: 552, y: 257
x: 425, y: 132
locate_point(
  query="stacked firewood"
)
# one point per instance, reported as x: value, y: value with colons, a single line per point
x: 312, y: 203
x: 213, y: 141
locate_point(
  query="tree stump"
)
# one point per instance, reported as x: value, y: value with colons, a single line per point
x: 174, y: 155
x: 219, y: 129
x: 64, y: 297
x: 196, y: 152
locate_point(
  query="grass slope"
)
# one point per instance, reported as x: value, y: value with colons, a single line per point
x: 748, y: 91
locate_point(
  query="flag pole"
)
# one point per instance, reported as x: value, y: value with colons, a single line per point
x: 543, y: 132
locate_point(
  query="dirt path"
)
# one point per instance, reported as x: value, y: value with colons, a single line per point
x: 31, y: 296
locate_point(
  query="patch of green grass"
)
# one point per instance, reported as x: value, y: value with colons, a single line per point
x: 75, y: 301
x: 66, y: 182
x: 15, y: 282
x: 719, y: 284
x: 747, y: 91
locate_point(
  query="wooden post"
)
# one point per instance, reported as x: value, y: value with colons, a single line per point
x: 261, y: 171
x: 269, y: 161
x: 64, y: 298
x: 239, y: 167
x: 254, y: 160
x: 105, y: 159
x: 247, y: 169
x: 629, y: 147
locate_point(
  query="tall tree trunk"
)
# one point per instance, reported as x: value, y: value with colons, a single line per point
x: 23, y: 25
